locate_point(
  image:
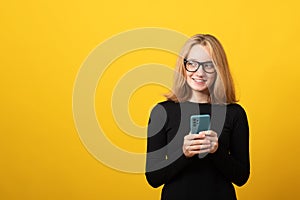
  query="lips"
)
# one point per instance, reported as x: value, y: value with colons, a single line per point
x: 197, y: 80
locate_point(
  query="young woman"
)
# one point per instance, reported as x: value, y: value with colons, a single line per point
x: 200, y: 166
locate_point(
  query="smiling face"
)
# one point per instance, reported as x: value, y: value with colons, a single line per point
x: 199, y: 81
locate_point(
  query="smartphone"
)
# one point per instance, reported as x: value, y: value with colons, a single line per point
x: 199, y: 123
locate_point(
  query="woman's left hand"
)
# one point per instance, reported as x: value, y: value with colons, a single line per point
x: 213, y: 137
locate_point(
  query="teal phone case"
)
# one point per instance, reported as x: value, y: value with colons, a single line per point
x: 199, y: 123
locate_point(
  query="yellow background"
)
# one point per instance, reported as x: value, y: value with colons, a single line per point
x: 43, y: 44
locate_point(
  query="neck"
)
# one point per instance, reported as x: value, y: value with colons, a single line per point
x: 199, y: 97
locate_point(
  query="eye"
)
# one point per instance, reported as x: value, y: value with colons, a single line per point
x: 208, y: 65
x: 192, y: 63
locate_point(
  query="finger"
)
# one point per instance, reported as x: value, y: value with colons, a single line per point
x: 198, y: 136
x: 214, y: 148
x: 188, y: 137
x: 213, y: 145
x: 194, y: 153
x: 199, y: 147
x: 191, y: 151
x: 212, y: 139
x: 191, y: 136
x: 202, y: 133
x: 204, y: 151
x: 195, y: 137
x: 187, y: 143
x: 186, y: 148
x: 211, y: 133
x: 205, y: 146
x: 199, y: 142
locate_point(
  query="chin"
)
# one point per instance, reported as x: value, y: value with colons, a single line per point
x: 197, y: 89
x: 200, y: 88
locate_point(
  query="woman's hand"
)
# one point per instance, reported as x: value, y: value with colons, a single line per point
x: 205, y: 141
x: 213, y: 138
x: 195, y: 144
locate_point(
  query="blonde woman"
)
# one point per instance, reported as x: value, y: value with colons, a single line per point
x: 205, y: 165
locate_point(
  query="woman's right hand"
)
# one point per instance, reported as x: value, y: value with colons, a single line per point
x: 195, y: 144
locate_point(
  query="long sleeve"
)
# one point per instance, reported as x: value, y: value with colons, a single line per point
x: 162, y: 164
x: 234, y: 162
x: 208, y: 178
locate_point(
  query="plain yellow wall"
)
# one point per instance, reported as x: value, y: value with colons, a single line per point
x: 44, y: 43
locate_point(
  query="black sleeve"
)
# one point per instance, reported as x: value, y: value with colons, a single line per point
x: 161, y: 165
x: 235, y: 164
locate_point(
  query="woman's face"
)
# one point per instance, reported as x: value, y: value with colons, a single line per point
x: 200, y: 81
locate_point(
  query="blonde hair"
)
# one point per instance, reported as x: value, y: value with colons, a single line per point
x: 222, y: 91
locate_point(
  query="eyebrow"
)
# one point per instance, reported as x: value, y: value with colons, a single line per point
x: 188, y: 59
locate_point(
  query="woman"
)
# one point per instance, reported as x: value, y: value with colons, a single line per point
x: 205, y: 165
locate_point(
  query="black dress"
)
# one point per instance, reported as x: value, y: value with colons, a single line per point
x: 203, y: 177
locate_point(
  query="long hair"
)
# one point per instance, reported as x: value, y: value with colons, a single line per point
x: 222, y: 91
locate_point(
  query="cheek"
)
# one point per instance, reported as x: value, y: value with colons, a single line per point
x: 188, y: 75
x: 188, y: 79
x: 211, y: 79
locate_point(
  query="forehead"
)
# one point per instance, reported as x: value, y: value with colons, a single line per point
x: 199, y: 53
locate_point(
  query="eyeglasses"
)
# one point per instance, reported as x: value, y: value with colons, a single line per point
x: 193, y: 66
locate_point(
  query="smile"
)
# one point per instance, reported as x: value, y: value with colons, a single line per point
x: 199, y: 80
